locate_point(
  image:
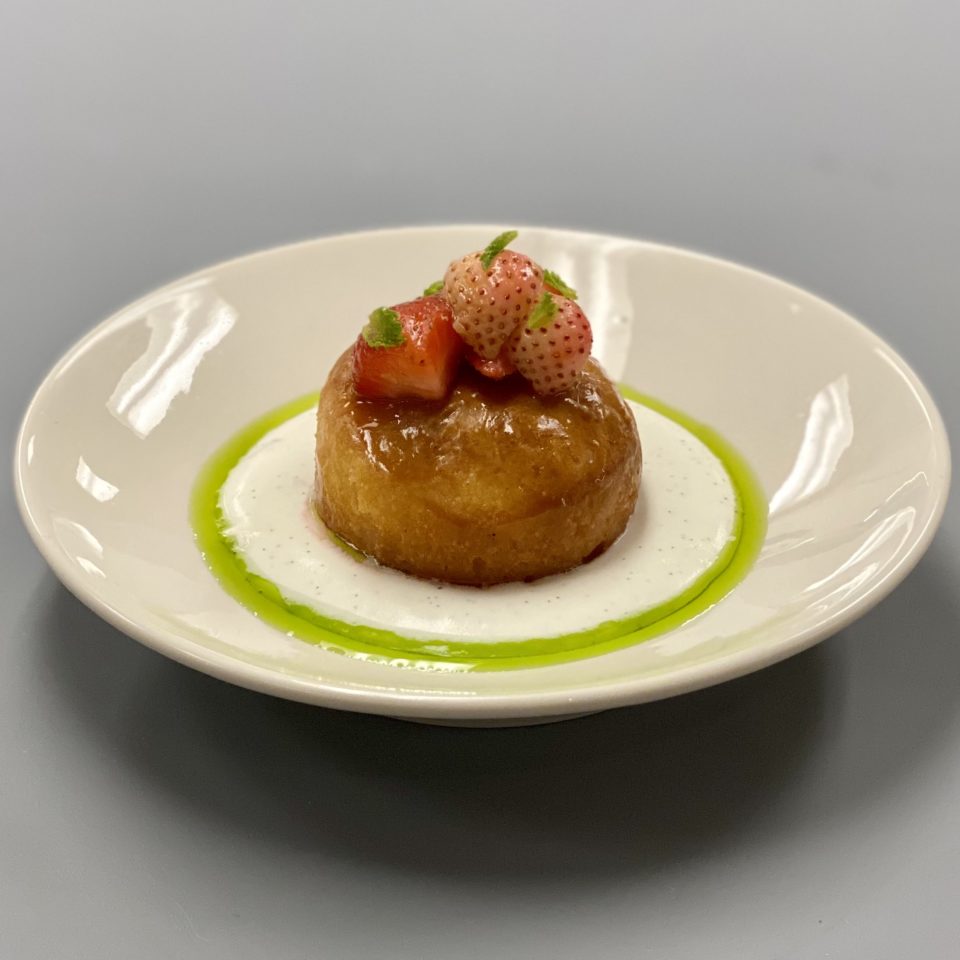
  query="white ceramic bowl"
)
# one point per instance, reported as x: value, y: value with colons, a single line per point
x: 845, y: 439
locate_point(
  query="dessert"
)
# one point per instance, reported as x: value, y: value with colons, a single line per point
x: 468, y: 436
x: 468, y: 439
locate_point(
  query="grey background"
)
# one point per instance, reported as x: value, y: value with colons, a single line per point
x: 811, y: 810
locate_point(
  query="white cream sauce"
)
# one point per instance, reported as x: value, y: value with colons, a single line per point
x: 685, y: 516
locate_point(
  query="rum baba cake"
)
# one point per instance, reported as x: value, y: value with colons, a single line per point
x: 469, y: 437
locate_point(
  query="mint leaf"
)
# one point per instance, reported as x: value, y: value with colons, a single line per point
x: 434, y: 288
x: 495, y: 246
x: 384, y: 329
x: 542, y: 313
x: 554, y: 280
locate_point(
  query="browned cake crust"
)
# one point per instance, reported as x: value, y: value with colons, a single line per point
x: 491, y: 485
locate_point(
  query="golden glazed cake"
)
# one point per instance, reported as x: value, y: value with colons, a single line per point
x: 493, y: 484
x: 473, y: 471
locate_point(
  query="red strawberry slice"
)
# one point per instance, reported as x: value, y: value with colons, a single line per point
x: 496, y: 369
x: 491, y: 293
x: 408, y: 350
x: 551, y: 349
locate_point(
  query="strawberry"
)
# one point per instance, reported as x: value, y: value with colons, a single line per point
x: 491, y: 293
x: 408, y: 350
x: 551, y: 348
x: 496, y: 369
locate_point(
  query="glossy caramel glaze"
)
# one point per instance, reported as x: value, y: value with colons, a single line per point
x: 492, y: 484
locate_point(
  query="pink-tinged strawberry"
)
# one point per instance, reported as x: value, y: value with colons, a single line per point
x: 551, y: 348
x: 496, y: 369
x: 492, y: 293
x: 409, y: 350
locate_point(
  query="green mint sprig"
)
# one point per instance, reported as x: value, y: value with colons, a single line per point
x: 495, y: 246
x: 542, y: 313
x: 554, y: 280
x: 384, y: 329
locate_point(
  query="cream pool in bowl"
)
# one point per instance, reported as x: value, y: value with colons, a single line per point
x: 843, y: 449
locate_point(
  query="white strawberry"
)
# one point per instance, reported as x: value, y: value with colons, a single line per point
x: 491, y: 293
x: 551, y: 348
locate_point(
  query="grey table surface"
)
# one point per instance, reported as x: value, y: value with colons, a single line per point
x: 810, y: 810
